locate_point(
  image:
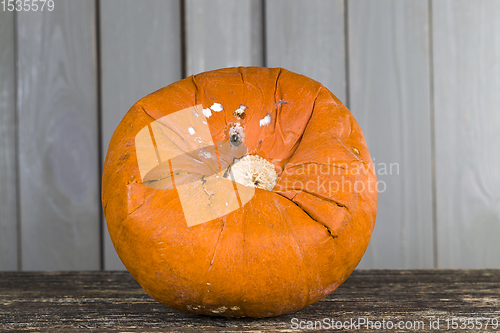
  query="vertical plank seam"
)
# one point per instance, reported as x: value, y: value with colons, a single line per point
x: 17, y: 161
x: 184, y: 60
x: 99, y: 128
x: 346, y: 54
x: 264, y: 33
x: 433, y: 134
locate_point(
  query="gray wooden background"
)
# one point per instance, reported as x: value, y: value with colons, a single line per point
x: 421, y: 77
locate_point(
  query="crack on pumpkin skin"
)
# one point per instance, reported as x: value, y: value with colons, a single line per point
x: 332, y: 236
x: 146, y: 113
x: 120, y: 224
x: 152, y: 181
x: 203, y: 182
x: 336, y: 203
x: 217, y: 244
x: 130, y: 199
x: 319, y: 219
x: 213, y: 258
x: 210, y: 196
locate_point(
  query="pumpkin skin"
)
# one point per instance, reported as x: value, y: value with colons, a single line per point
x: 284, y: 249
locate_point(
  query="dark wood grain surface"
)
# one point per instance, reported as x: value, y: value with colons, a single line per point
x: 113, y: 301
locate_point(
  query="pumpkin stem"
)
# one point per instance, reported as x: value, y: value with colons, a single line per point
x: 254, y: 171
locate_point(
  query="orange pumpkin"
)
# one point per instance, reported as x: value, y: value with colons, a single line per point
x: 239, y: 192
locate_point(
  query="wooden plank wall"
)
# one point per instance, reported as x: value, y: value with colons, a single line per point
x: 299, y: 34
x: 58, y: 137
x: 421, y: 77
x: 466, y: 39
x: 389, y: 78
x: 8, y: 165
x: 140, y: 53
x: 223, y: 33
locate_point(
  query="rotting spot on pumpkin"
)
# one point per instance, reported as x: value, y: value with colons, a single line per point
x: 256, y: 182
x: 219, y: 310
x: 235, y: 140
x: 355, y: 150
x: 192, y: 307
x: 278, y: 103
x: 236, y: 135
x: 240, y: 112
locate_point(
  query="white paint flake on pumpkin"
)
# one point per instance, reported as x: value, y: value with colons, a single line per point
x: 205, y: 154
x: 206, y: 112
x: 265, y: 121
x: 217, y: 107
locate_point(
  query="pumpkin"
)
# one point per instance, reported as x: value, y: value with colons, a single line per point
x: 238, y: 192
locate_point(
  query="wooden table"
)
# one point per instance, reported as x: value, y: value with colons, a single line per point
x: 113, y: 301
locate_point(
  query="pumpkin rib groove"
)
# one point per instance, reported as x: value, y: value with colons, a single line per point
x: 302, y: 256
x: 256, y: 85
x: 278, y: 76
x: 174, y: 142
x: 294, y: 147
x: 336, y: 203
x: 215, y: 114
x: 244, y: 259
